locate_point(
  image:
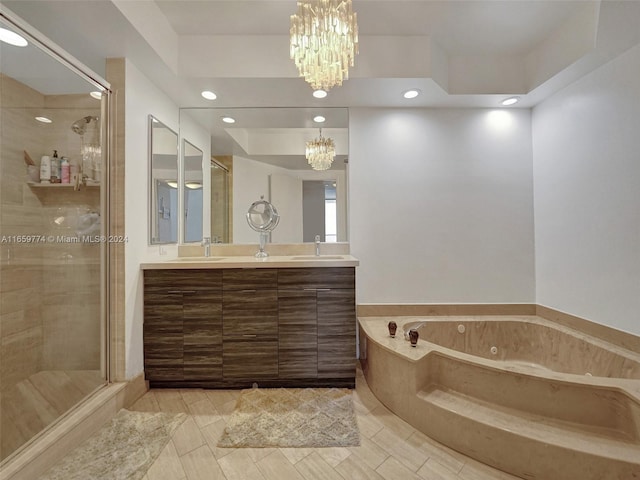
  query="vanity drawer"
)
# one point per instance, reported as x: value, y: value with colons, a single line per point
x: 182, y: 281
x: 251, y: 278
x: 339, y: 277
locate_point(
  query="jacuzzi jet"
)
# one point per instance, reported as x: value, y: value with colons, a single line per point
x: 461, y: 328
x: 588, y: 374
x: 493, y: 350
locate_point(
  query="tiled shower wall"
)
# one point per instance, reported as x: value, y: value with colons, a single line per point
x: 50, y: 295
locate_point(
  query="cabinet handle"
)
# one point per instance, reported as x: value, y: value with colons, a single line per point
x: 323, y: 289
x: 248, y: 335
x: 181, y: 291
x: 249, y: 291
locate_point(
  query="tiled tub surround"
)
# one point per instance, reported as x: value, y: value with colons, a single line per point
x: 531, y: 344
x: 532, y: 412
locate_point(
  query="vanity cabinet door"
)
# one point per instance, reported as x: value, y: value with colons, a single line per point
x: 163, y: 327
x: 297, y: 334
x: 336, y: 333
x: 250, y: 324
x: 162, y: 336
x: 202, y: 321
x: 250, y: 359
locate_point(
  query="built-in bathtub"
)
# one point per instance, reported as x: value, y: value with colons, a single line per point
x: 522, y: 394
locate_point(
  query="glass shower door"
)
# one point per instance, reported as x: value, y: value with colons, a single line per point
x: 52, y: 248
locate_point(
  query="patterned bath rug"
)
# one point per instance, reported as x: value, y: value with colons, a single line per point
x: 292, y: 417
x: 124, y: 448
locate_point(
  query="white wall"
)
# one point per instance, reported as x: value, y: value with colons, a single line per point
x: 142, y: 98
x: 441, y: 205
x: 586, y: 145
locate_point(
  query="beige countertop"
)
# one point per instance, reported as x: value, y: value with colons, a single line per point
x: 234, y: 261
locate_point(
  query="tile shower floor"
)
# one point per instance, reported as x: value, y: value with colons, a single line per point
x: 32, y: 404
x: 390, y: 448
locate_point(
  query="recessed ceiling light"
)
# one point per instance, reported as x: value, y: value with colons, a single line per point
x: 44, y: 119
x: 12, y: 38
x: 510, y: 101
x: 228, y: 120
x: 97, y: 95
x: 319, y: 93
x: 413, y: 93
x: 319, y: 119
x: 209, y: 95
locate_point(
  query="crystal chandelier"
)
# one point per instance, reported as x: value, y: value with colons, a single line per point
x: 324, y: 41
x: 320, y: 152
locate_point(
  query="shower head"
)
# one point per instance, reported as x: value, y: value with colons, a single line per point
x: 80, y: 126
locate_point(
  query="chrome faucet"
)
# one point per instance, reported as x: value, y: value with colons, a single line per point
x: 317, y: 245
x: 206, y: 243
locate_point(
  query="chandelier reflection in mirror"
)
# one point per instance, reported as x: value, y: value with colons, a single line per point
x: 320, y: 152
x: 324, y: 41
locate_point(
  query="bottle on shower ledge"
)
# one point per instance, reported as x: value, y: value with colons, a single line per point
x: 45, y: 169
x: 55, y: 168
x: 65, y: 170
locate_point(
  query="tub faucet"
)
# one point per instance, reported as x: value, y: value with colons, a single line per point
x: 206, y: 243
x: 317, y: 245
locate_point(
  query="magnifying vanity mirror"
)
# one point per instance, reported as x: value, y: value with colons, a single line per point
x: 163, y: 166
x: 262, y: 154
x: 263, y: 218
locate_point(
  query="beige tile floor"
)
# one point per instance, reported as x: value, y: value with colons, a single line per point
x: 390, y: 449
x: 31, y: 405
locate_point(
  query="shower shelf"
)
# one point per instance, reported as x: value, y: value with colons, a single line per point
x: 60, y: 185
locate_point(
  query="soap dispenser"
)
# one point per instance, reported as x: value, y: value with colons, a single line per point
x: 55, y: 168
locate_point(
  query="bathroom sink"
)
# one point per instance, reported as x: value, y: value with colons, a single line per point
x: 318, y: 257
x: 200, y: 259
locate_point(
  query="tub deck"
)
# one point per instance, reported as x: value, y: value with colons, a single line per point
x: 526, y: 420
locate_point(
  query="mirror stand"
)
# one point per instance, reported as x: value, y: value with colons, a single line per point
x: 263, y: 242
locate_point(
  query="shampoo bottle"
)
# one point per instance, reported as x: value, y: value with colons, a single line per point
x: 45, y: 169
x: 65, y: 170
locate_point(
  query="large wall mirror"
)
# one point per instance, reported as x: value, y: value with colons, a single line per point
x: 163, y: 165
x: 262, y: 154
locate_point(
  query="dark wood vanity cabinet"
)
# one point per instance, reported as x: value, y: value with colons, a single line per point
x: 233, y: 327
x: 182, y: 325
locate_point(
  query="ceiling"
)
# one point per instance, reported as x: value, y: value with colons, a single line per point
x: 458, y: 53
